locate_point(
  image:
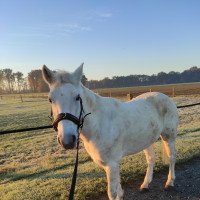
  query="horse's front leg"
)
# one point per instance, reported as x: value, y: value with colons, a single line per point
x: 115, y: 191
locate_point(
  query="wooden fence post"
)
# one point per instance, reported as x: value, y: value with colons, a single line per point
x: 150, y: 90
x: 173, y: 92
x: 129, y: 96
x: 21, y: 98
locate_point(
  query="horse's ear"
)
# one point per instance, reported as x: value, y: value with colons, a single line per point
x: 48, y: 75
x: 78, y: 73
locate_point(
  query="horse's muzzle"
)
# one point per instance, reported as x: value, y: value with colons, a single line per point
x: 69, y: 145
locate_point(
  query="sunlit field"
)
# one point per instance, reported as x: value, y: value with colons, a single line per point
x: 33, y: 166
x: 170, y: 90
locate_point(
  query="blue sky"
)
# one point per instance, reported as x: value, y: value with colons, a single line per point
x: 112, y: 37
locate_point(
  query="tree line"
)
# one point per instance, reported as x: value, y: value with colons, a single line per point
x: 190, y: 75
x: 15, y: 82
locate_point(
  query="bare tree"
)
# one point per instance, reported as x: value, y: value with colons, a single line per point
x: 7, y: 75
x: 36, y: 81
x: 12, y: 82
x: 1, y: 81
x: 19, y: 80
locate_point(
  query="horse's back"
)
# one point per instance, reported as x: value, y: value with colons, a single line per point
x: 166, y: 109
x: 162, y: 103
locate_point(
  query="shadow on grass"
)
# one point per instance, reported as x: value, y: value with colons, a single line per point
x: 159, y: 169
x: 188, y: 131
x: 41, y: 174
x: 126, y: 176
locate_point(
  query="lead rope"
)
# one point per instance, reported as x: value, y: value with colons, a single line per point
x: 80, y: 126
x: 73, y: 184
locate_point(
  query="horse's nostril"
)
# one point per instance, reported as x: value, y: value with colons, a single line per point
x: 73, y: 138
x: 69, y: 143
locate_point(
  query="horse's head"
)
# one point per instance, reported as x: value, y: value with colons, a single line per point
x: 63, y: 95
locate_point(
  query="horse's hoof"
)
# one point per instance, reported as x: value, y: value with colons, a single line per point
x: 144, y: 190
x: 169, y: 188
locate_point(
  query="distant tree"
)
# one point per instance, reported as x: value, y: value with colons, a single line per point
x: 12, y: 82
x: 33, y: 77
x: 84, y: 80
x: 8, y: 77
x: 19, y: 80
x: 174, y: 77
x: 25, y: 87
x: 1, y: 75
x: 191, y: 75
x: 36, y: 81
x: 162, y: 78
x: 142, y: 79
x: 106, y: 82
x: 1, y: 80
x: 152, y: 80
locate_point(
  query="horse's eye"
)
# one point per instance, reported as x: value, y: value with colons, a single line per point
x: 50, y: 100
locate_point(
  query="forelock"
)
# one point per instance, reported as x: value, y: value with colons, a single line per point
x: 63, y: 77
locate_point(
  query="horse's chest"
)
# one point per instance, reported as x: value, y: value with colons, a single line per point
x: 98, y: 154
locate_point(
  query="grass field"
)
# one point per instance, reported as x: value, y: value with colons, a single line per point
x: 33, y: 166
x: 170, y: 90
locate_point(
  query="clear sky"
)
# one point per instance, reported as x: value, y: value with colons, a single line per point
x: 112, y: 37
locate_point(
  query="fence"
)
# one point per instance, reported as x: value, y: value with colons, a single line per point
x: 170, y: 90
x: 22, y: 97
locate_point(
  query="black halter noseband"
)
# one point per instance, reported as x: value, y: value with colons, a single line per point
x: 63, y: 116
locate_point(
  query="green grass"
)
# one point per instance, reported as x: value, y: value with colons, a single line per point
x: 16, y: 114
x: 33, y: 166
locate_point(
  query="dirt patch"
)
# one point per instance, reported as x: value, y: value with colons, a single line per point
x: 187, y: 185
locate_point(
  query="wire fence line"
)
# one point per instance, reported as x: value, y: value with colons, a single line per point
x: 189, y: 105
x: 25, y: 129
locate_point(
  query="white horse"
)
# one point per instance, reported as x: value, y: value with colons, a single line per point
x: 114, y: 129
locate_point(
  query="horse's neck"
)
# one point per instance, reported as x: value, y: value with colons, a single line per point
x: 91, y: 100
x: 99, y: 107
x: 93, y: 104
